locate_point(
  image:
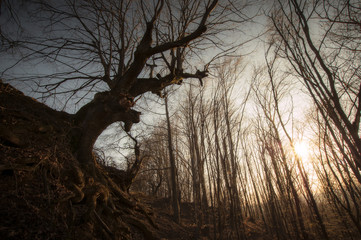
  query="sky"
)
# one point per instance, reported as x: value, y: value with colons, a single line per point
x: 252, y: 53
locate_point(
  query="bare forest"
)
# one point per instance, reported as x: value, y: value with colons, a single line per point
x: 180, y: 119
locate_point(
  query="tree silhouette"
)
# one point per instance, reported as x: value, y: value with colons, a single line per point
x: 327, y: 64
x: 113, y: 52
x: 118, y: 50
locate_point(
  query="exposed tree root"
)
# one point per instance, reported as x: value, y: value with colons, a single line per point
x: 102, y: 206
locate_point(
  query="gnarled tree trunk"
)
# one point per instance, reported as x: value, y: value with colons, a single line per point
x: 92, y: 119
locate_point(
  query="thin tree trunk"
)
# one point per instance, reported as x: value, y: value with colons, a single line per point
x: 173, y: 170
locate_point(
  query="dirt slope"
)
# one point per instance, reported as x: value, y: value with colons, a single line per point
x: 37, y: 177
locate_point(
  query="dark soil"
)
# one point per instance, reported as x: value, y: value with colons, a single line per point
x: 45, y: 194
x: 40, y: 181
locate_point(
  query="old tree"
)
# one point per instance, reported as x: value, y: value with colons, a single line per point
x: 118, y: 50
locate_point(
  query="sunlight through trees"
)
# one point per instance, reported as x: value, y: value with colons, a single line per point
x: 243, y: 150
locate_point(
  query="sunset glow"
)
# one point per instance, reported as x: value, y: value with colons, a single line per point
x: 302, y: 150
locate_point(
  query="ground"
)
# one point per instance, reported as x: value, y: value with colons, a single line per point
x: 45, y: 195
x: 39, y: 173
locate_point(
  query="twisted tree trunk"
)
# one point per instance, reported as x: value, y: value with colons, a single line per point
x: 92, y: 119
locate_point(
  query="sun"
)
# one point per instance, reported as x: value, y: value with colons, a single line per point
x: 302, y: 150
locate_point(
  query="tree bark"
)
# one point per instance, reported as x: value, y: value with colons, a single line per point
x: 92, y: 119
x: 173, y: 170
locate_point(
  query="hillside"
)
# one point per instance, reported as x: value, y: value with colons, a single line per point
x: 40, y: 181
x: 39, y: 177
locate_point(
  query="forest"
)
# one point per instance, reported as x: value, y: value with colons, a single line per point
x: 180, y: 119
